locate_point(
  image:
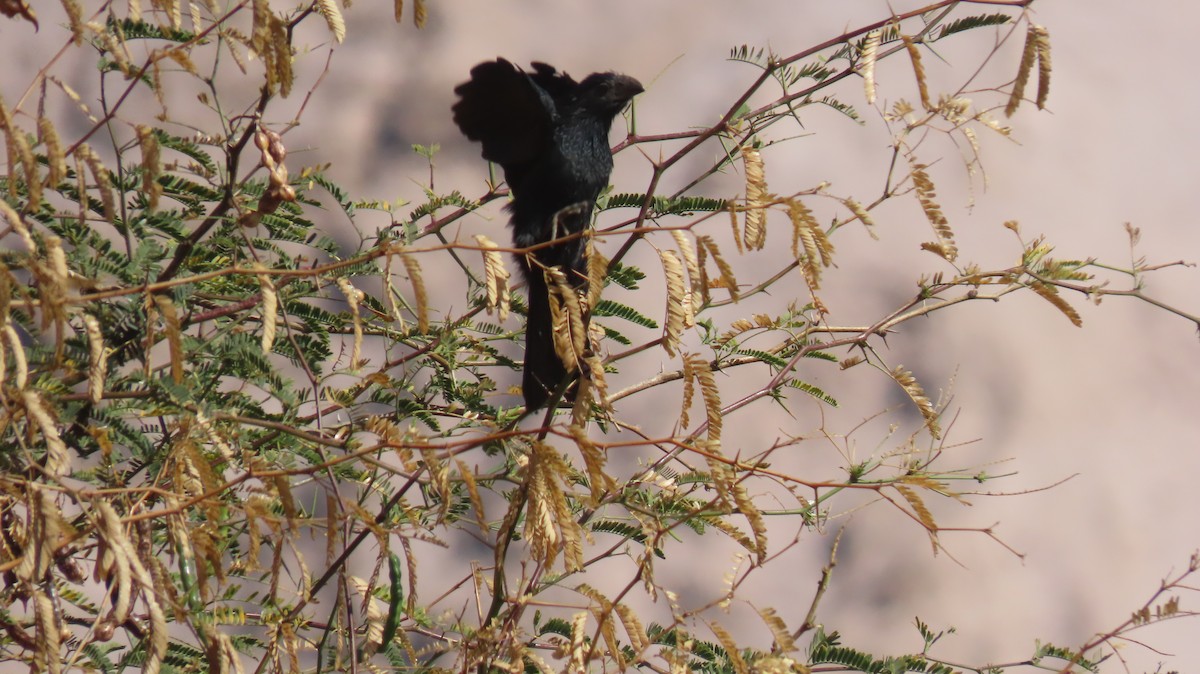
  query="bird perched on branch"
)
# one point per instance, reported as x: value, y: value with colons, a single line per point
x: 550, y: 135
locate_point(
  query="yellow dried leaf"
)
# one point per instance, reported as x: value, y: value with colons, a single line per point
x: 495, y: 277
x: 689, y: 393
x: 754, y: 234
x: 214, y: 436
x: 736, y: 328
x: 927, y: 195
x: 374, y: 613
x: 255, y: 512
x: 151, y: 165
x: 597, y: 270
x: 955, y: 109
x: 438, y: 470
x: 538, y: 661
x: 1050, y: 294
x: 174, y: 335
x: 728, y: 280
x: 809, y: 236
x: 973, y: 140
x: 1028, y: 56
x: 917, y: 394
x: 280, y: 64
x: 179, y: 55
x: 1134, y: 233
x: 49, y: 633
x: 732, y: 650
x: 234, y: 37
x: 112, y: 565
x: 594, y: 460
x: 75, y: 20
x: 597, y: 387
x: 603, y: 614
x: 578, y: 643
x: 933, y: 485
x: 566, y: 317
x: 550, y: 527
x: 914, y: 54
x: 994, y: 125
x: 638, y: 639
x: 866, y: 64
x: 18, y: 225
x: 758, y: 526
x: 420, y: 13
x: 333, y: 18
x: 55, y: 158
x: 676, y: 295
x: 173, y: 9
x: 270, y: 310
x: 260, y: 27
x: 20, y: 151
x: 779, y: 630
x: 851, y: 362
x: 114, y: 46
x: 58, y: 263
x: 353, y: 297
x: 283, y: 492
x: 468, y: 478
x: 733, y: 228
x: 922, y: 512
x: 938, y: 249
x: 863, y: 216
x: 418, y: 283
x: 58, y: 460
x: 97, y: 358
x: 269, y: 41
x: 699, y: 293
x: 103, y: 180
x: 701, y: 370
x: 119, y: 545
x: 390, y: 291
x: 195, y: 469
x: 20, y: 364
x: 39, y: 536
x: 1042, y: 44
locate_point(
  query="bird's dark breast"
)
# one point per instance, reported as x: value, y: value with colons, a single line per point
x: 554, y: 185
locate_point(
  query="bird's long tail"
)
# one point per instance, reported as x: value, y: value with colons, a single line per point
x: 544, y: 371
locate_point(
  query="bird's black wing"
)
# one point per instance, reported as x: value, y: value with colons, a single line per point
x: 560, y: 86
x: 513, y: 118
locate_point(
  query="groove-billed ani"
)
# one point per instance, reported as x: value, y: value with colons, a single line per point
x: 550, y: 135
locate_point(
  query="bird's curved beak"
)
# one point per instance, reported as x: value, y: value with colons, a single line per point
x: 627, y: 87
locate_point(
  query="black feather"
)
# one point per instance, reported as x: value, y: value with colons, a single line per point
x: 549, y: 134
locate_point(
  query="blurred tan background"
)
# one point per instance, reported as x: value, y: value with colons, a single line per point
x: 1115, y: 404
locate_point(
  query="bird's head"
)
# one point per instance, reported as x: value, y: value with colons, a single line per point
x: 607, y: 93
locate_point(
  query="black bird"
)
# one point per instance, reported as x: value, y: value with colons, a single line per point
x: 550, y: 135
